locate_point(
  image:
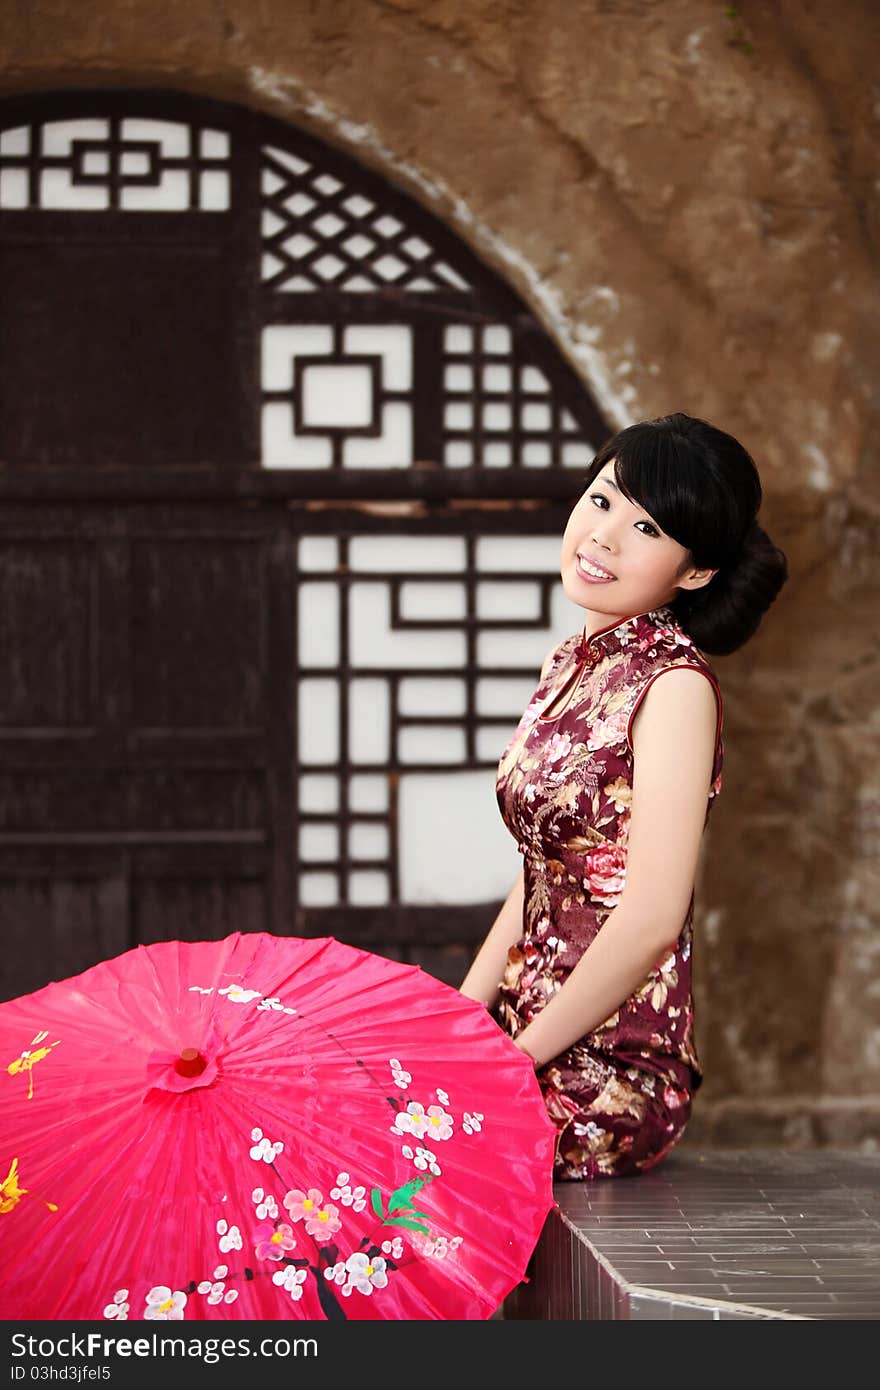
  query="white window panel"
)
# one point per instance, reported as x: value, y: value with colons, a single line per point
x: 284, y: 449
x: 373, y: 643
x: 492, y: 740
x: 509, y: 647
x: 439, y: 861
x: 497, y: 338
x: 318, y: 842
x: 281, y: 345
x: 514, y: 601
x: 407, y: 554
x: 288, y: 160
x: 497, y: 377
x: 14, y: 188
x: 317, y: 553
x: 368, y: 888
x: 532, y: 554
x: 337, y: 395
x: 458, y: 415
x: 366, y: 841
x: 318, y: 721
x: 527, y: 647
x: 577, y: 455
x: 171, y: 194
x: 458, y: 453
x: 214, y: 144
x: 393, y: 448
x: 432, y: 601
x: 369, y: 721
x: 505, y: 696
x: 428, y: 743
x: 431, y: 696
x: 57, y: 190
x: 368, y: 792
x: 213, y: 191
x: 497, y: 417
x: 535, y: 416
x: 16, y: 140
x: 458, y: 377
x: 318, y: 890
x: 497, y: 455
x: 318, y: 793
x: 538, y: 454
x: 458, y: 338
x: 171, y: 137
x: 390, y: 342
x: 57, y: 137
x: 533, y: 380
x: 318, y: 627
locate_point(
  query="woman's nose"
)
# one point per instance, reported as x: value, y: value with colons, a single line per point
x: 602, y: 534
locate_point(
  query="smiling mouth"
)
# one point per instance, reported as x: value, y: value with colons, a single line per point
x: 595, y: 570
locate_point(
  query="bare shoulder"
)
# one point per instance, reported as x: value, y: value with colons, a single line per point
x: 679, y: 704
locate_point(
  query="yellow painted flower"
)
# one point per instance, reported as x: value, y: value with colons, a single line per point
x: 10, y: 1192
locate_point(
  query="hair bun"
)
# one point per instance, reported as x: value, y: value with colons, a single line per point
x: 728, y: 611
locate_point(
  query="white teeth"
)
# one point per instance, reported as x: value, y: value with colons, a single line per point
x: 591, y: 569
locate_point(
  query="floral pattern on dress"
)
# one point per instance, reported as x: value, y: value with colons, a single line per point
x: 620, y: 1096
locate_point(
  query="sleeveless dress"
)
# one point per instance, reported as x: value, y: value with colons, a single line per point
x: 621, y: 1096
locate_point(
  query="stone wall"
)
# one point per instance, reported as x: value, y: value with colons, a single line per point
x: 687, y: 194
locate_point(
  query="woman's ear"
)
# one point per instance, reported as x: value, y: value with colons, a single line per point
x: 696, y: 579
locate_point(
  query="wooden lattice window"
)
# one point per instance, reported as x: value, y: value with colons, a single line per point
x: 289, y: 464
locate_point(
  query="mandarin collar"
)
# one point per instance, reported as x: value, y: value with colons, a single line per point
x: 618, y: 635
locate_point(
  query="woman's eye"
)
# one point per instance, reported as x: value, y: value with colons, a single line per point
x: 652, y: 529
x: 598, y: 497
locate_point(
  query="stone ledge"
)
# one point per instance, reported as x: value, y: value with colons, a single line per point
x: 713, y: 1234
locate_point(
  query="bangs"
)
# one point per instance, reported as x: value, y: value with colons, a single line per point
x: 661, y: 472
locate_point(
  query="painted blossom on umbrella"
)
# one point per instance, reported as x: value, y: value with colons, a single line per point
x: 354, y: 1197
x: 365, y: 1273
x: 264, y: 1148
x: 320, y: 1220
x: 272, y: 1242
x: 119, y: 1307
x: 163, y: 1305
x: 291, y: 1280
x: 10, y: 1191
x: 412, y: 1120
x: 230, y: 1237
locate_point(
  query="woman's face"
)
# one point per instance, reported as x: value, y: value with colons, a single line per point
x: 607, y: 532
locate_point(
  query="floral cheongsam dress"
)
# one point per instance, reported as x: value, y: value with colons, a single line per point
x: 621, y: 1096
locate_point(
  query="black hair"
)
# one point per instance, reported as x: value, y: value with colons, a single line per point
x: 703, y: 489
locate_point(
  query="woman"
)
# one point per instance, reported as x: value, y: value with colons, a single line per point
x: 607, y: 785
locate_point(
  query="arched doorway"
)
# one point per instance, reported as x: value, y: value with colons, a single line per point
x: 284, y: 468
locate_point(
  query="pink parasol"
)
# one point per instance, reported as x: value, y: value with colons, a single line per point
x: 264, y: 1127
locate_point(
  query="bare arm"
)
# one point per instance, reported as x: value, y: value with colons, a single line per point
x: 673, y: 739
x: 482, y: 980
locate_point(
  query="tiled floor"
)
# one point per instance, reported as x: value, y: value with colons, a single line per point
x: 711, y: 1234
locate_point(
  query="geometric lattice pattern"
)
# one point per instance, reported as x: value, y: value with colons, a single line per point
x: 499, y: 408
x: 415, y: 657
x: 122, y: 163
x: 337, y: 396
x: 318, y: 232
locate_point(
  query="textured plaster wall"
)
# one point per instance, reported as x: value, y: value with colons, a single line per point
x: 688, y: 194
